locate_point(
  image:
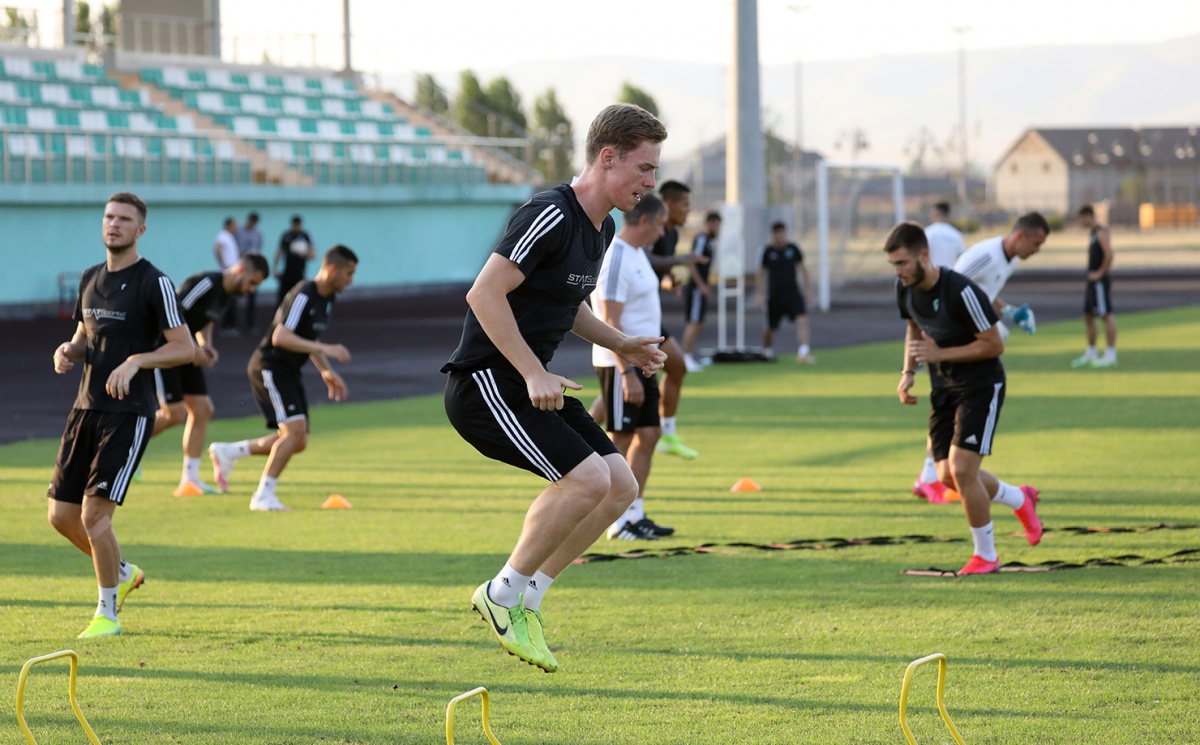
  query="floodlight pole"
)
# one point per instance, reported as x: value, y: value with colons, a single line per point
x: 346, y: 33
x: 963, y: 197
x: 798, y: 151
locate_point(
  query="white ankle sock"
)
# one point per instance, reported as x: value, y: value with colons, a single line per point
x: 538, y: 584
x: 985, y: 542
x: 1090, y: 353
x: 929, y: 473
x: 1110, y: 353
x: 266, y: 486
x: 803, y: 351
x: 508, y: 586
x: 668, y: 425
x: 1009, y: 496
x: 107, y: 606
x: 125, y: 572
x: 239, y: 449
x: 191, y: 469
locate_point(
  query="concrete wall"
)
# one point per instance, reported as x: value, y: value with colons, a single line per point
x: 405, y: 237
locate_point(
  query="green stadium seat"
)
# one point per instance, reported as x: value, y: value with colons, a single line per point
x: 198, y: 77
x: 45, y: 69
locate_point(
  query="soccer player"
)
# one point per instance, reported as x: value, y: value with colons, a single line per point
x: 945, y: 242
x: 782, y: 263
x: 183, y: 396
x: 953, y: 329
x: 697, y: 291
x: 1097, y: 299
x: 125, y: 305
x: 989, y: 263
x: 503, y: 400
x: 626, y: 298
x: 274, y: 372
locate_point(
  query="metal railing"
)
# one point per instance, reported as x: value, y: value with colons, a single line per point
x: 53, y: 156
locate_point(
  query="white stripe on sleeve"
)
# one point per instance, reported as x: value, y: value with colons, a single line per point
x: 202, y: 287
x: 546, y: 221
x: 976, y: 310
x: 297, y: 311
x: 174, y: 320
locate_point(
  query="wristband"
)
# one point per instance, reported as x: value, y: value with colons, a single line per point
x: 908, y: 372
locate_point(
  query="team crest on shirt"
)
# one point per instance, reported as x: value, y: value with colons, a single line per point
x: 936, y: 303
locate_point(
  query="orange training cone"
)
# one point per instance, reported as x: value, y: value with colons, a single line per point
x: 745, y: 485
x: 335, y: 502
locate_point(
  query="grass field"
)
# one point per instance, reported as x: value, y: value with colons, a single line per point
x: 354, y: 626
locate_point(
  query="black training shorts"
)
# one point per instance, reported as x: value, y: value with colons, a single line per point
x: 492, y: 411
x: 1097, y: 299
x: 173, y: 383
x: 99, y: 453
x: 695, y: 304
x: 787, y: 306
x: 965, y: 418
x: 279, y: 393
x: 620, y: 415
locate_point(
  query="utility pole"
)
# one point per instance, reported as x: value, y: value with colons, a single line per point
x: 346, y: 33
x: 963, y: 197
x: 798, y: 150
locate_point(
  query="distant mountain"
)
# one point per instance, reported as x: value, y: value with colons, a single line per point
x: 892, y: 97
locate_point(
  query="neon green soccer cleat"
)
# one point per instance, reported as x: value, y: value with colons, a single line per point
x: 101, y: 626
x: 129, y: 585
x: 671, y: 445
x: 510, y: 625
x: 536, y: 621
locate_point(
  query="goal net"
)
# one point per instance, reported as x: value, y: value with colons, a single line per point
x: 857, y: 206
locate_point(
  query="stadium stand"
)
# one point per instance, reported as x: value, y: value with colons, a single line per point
x: 68, y: 121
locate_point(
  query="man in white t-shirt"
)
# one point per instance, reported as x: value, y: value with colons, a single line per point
x: 989, y: 263
x: 945, y: 242
x: 626, y: 297
x: 227, y: 252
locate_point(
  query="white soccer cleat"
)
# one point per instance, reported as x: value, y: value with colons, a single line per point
x: 222, y: 461
x: 259, y: 503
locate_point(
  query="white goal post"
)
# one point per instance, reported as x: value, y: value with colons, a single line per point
x: 824, y: 282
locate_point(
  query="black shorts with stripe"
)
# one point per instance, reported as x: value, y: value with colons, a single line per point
x: 695, y: 303
x: 99, y: 453
x: 279, y: 393
x: 965, y: 418
x: 620, y: 415
x: 491, y: 410
x: 1097, y: 299
x: 173, y: 383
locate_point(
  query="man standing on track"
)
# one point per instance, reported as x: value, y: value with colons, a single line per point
x: 780, y: 273
x: 504, y: 401
x: 953, y: 329
x: 274, y: 372
x: 1097, y: 299
x: 182, y: 391
x: 125, y: 305
x: 697, y: 291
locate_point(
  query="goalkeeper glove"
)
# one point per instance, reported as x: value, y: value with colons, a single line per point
x: 1022, y: 316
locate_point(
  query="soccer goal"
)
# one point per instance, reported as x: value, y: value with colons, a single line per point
x: 857, y: 205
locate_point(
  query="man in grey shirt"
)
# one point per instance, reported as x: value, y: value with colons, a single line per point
x: 250, y: 241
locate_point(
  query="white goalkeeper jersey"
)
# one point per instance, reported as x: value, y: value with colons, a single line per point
x: 987, y: 265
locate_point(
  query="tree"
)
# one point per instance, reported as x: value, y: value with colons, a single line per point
x: 554, y: 137
x: 108, y: 22
x: 632, y: 94
x: 471, y: 105
x: 431, y: 96
x: 17, y: 29
x: 505, y: 104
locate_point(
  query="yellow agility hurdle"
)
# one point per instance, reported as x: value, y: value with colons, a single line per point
x: 70, y: 693
x: 482, y: 693
x: 941, y: 694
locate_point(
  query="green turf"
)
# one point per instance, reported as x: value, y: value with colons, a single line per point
x: 355, y: 626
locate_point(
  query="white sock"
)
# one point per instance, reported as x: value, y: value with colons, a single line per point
x: 107, y: 606
x: 508, y: 586
x: 1090, y: 352
x: 635, y: 512
x: 266, y: 486
x: 191, y: 469
x: 1009, y: 496
x: 538, y: 584
x: 985, y: 542
x: 1110, y: 353
x: 929, y: 472
x: 239, y: 449
x: 125, y: 572
x: 803, y: 350
x: 668, y: 426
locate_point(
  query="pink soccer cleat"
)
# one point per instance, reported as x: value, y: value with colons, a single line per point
x: 935, y: 493
x: 1027, y: 514
x: 980, y: 565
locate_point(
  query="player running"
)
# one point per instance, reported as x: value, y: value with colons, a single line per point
x: 125, y: 306
x: 274, y: 372
x: 204, y: 299
x: 954, y: 330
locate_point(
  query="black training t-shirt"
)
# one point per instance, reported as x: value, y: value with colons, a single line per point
x: 203, y: 299
x: 559, y: 250
x: 780, y: 266
x: 123, y: 313
x: 1095, y: 251
x: 952, y: 313
x: 703, y: 246
x: 295, y: 245
x: 306, y: 312
x: 665, y: 246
